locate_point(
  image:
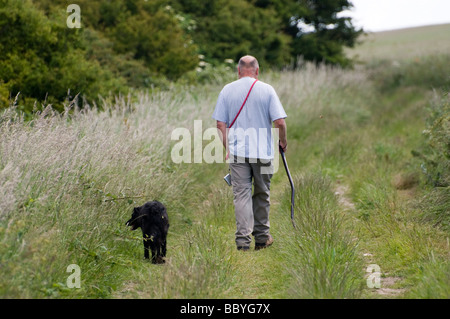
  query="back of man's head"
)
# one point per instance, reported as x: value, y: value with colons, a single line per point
x: 248, y: 62
x: 248, y: 65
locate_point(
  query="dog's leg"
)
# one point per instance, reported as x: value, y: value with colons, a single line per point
x: 164, y: 246
x: 146, y: 248
x: 154, y: 252
x: 160, y: 252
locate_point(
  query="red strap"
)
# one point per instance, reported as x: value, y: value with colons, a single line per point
x: 251, y: 88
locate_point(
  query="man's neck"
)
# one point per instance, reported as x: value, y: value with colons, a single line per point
x: 248, y: 75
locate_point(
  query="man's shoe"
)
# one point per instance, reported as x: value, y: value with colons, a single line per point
x: 243, y: 248
x: 268, y: 242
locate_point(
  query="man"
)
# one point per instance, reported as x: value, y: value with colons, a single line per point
x: 251, y: 150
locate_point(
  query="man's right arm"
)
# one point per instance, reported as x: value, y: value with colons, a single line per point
x: 280, y: 124
x: 222, y: 128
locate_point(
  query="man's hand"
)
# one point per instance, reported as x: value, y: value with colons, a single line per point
x: 283, y: 146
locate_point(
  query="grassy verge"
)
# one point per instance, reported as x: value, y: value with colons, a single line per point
x: 321, y: 254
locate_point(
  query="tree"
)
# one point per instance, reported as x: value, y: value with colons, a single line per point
x: 154, y: 36
x: 143, y: 31
x: 229, y: 29
x: 122, y: 44
x: 41, y: 59
x: 276, y: 31
x: 317, y: 30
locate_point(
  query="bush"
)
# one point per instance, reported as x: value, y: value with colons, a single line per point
x: 434, y: 158
x: 118, y: 47
x: 436, y: 151
x: 4, y: 95
x: 42, y: 59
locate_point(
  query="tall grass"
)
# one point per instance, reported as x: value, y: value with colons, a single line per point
x: 69, y: 181
x: 323, y: 255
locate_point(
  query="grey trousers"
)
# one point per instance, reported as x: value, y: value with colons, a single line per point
x: 252, y: 211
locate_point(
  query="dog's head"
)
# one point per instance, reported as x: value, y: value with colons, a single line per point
x: 136, y: 219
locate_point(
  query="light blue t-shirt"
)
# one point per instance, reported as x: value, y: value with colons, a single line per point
x: 251, y: 134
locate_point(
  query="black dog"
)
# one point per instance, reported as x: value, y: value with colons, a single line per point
x: 153, y: 219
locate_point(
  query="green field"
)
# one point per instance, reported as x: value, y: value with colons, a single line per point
x: 368, y: 149
x: 403, y: 43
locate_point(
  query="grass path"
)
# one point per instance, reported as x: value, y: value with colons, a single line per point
x: 250, y: 275
x: 263, y: 273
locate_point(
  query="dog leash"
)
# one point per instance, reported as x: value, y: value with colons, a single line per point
x: 245, y: 101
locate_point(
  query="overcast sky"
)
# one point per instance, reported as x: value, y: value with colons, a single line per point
x: 381, y: 15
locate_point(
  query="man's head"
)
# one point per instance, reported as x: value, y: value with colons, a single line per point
x: 248, y: 66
